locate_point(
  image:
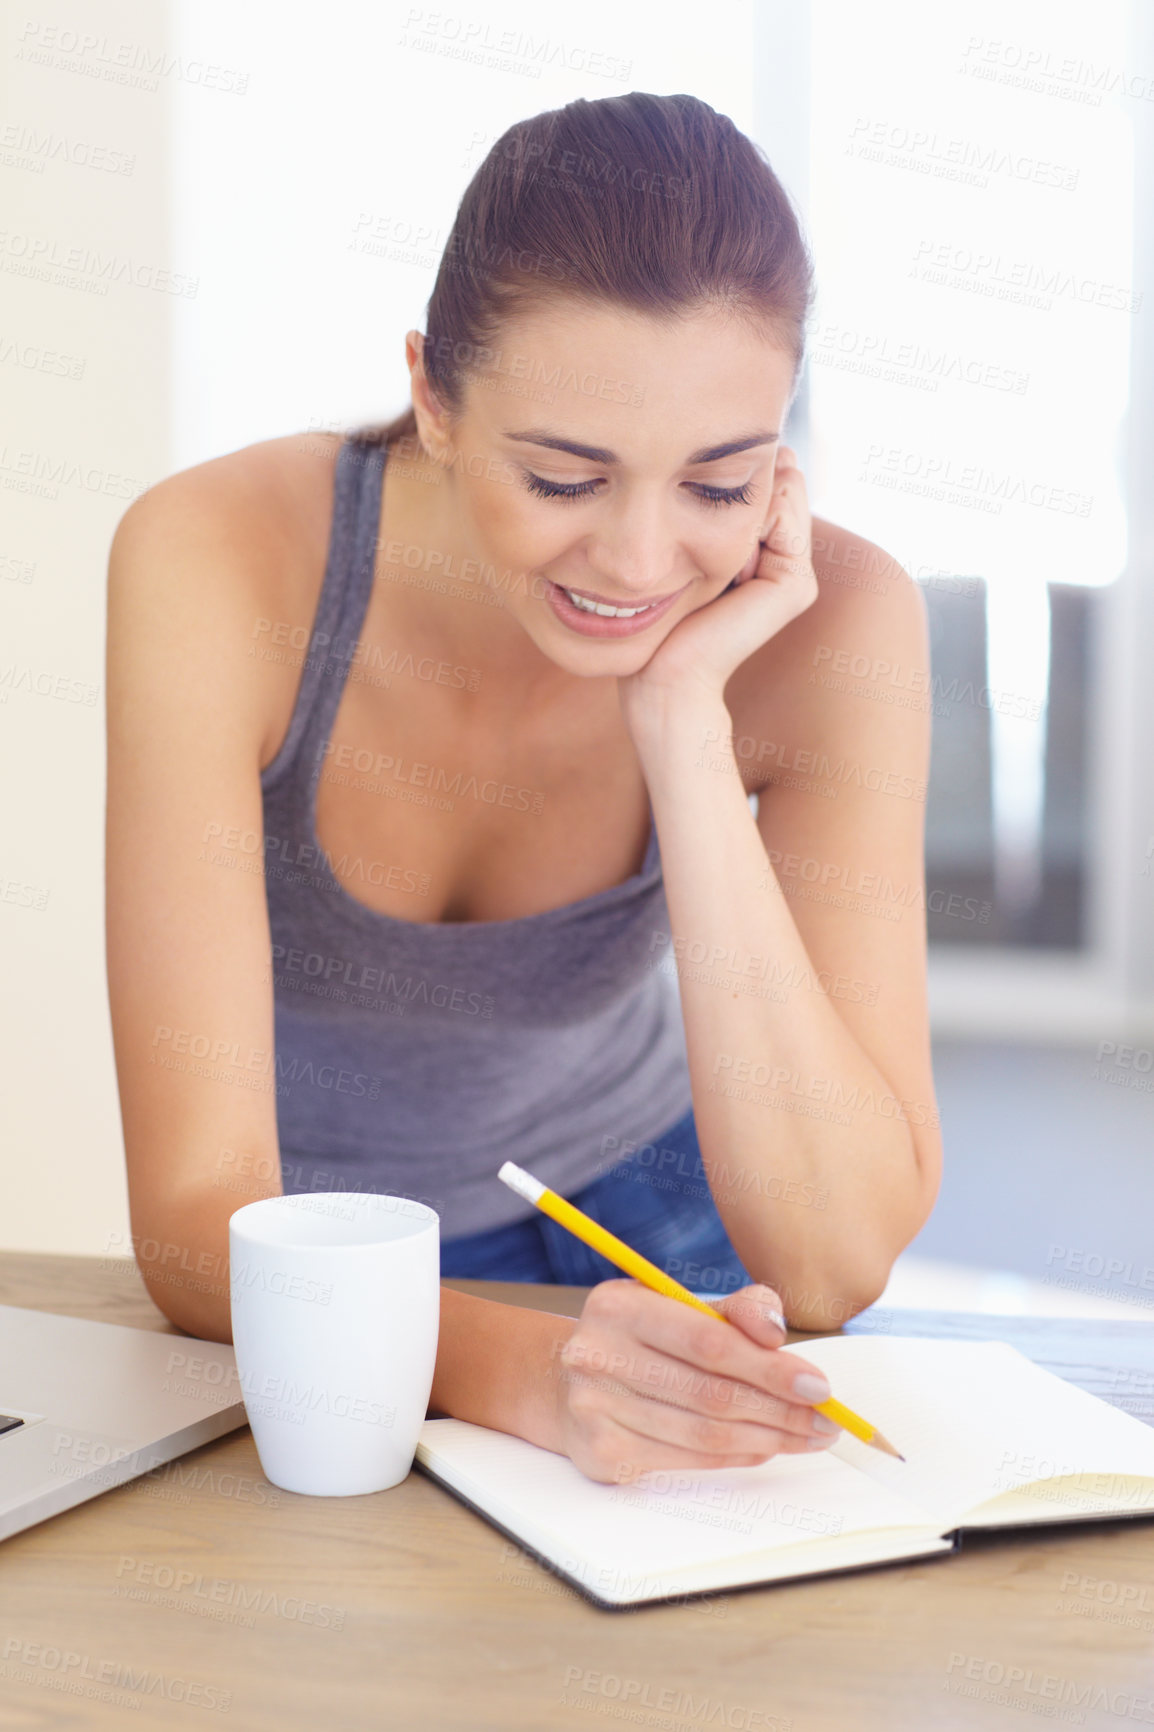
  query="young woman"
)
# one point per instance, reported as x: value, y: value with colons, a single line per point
x: 430, y: 839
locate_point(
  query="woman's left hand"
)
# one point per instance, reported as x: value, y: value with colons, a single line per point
x: 776, y: 583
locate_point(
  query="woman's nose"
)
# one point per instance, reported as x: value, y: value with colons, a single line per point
x: 636, y: 553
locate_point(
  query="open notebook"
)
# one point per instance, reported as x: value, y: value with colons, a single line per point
x: 991, y: 1440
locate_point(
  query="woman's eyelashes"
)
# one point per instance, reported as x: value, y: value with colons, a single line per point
x: 725, y: 495
x: 582, y: 490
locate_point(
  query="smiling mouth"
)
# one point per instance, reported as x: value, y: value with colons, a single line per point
x: 608, y: 609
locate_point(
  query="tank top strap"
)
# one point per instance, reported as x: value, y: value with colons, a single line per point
x: 341, y: 607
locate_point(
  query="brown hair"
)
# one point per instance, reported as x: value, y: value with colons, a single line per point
x: 654, y: 203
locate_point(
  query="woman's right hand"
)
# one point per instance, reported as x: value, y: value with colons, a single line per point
x: 648, y: 1382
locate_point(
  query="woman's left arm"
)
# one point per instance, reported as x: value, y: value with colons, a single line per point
x: 799, y: 936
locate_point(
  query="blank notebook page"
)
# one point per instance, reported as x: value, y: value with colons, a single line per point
x: 975, y: 1419
x: 681, y: 1520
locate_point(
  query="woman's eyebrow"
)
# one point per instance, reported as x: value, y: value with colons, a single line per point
x: 597, y: 454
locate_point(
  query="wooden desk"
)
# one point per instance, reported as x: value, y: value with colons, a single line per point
x: 411, y: 1612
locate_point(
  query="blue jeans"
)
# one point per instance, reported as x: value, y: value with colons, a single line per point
x: 657, y: 1199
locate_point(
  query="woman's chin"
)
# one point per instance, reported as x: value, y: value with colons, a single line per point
x: 602, y: 660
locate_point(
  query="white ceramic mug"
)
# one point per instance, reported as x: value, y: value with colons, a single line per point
x: 335, y: 1311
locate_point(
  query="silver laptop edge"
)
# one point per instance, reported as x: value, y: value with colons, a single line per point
x: 100, y: 1404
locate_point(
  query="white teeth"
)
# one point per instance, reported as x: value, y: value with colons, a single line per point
x: 604, y: 609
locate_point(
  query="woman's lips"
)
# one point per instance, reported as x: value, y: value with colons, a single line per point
x: 604, y: 625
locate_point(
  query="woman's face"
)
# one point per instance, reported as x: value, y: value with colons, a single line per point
x: 590, y: 458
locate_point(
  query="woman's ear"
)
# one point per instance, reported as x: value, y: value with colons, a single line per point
x: 432, y: 422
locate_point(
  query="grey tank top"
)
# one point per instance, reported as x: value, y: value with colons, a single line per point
x: 412, y: 1059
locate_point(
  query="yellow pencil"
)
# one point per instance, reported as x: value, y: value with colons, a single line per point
x: 593, y: 1234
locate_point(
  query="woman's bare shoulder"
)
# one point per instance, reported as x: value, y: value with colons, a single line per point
x: 227, y: 554
x: 270, y: 502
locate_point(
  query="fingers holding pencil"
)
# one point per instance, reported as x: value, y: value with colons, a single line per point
x: 809, y: 1385
x: 738, y: 1352
x: 646, y: 1382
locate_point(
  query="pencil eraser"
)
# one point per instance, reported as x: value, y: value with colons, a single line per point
x: 522, y: 1182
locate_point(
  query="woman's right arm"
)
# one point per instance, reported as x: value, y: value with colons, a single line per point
x: 639, y: 1381
x: 186, y: 921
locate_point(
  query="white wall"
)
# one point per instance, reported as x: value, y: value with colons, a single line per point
x: 85, y: 343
